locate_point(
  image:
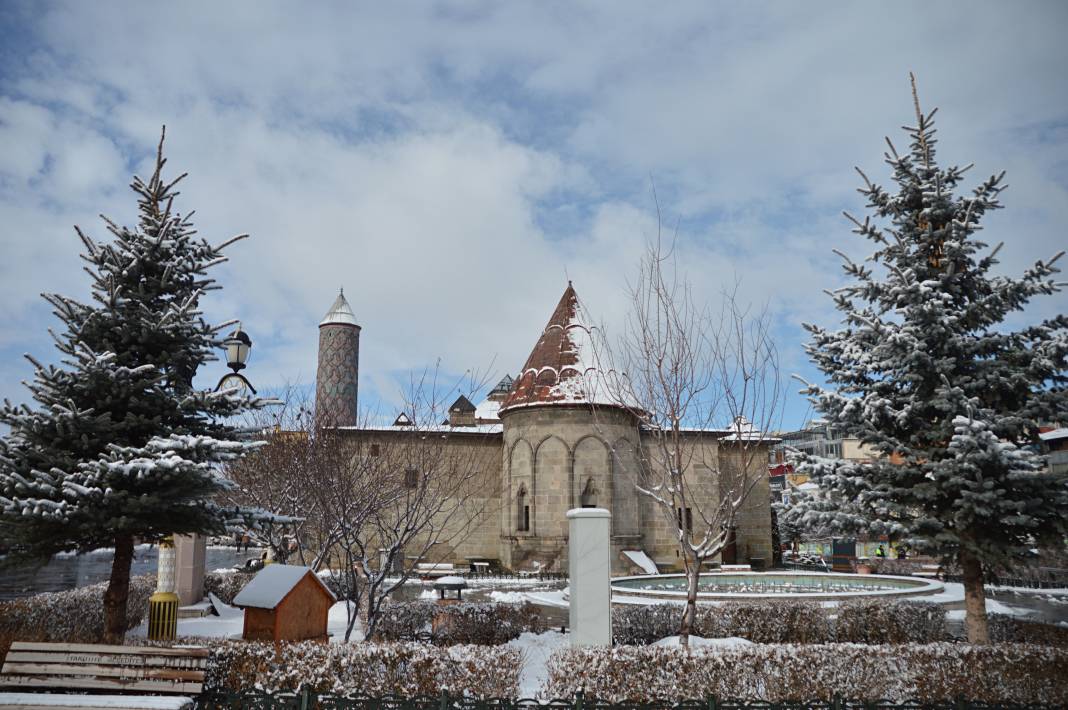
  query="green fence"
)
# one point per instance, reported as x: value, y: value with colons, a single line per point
x: 309, y: 700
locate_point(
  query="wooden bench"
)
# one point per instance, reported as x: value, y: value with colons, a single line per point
x: 426, y: 570
x: 39, y: 667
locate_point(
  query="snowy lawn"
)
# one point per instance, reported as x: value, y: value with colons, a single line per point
x: 699, y: 642
x: 535, y: 650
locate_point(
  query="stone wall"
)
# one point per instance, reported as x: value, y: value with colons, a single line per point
x: 557, y: 458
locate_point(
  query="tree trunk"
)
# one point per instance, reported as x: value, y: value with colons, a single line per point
x: 118, y: 590
x: 686, y: 627
x: 974, y: 597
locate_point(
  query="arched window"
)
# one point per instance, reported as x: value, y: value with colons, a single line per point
x: 589, y: 494
x: 522, y: 511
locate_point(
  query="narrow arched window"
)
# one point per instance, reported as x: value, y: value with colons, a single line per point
x: 522, y: 511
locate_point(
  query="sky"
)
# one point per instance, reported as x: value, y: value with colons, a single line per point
x: 452, y: 165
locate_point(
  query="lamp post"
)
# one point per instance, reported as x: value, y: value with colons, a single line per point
x: 189, y: 552
x: 237, y: 346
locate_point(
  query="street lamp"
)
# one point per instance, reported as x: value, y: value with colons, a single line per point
x: 237, y: 346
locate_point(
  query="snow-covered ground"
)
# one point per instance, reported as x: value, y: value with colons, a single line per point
x: 535, y: 650
x: 700, y: 642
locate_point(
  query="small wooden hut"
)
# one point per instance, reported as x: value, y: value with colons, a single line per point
x: 285, y: 603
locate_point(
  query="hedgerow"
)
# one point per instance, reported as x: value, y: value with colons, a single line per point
x: 76, y: 615
x: 226, y: 585
x: 881, y: 621
x: 940, y: 672
x: 404, y: 669
x: 465, y: 623
x: 1008, y: 629
x: 759, y: 622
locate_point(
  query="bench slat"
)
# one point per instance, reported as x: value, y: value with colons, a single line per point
x: 108, y: 660
x: 198, y: 652
x: 156, y: 686
x: 105, y: 671
x: 44, y: 701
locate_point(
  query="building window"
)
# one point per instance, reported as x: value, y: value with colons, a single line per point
x: 375, y: 450
x: 685, y: 519
x: 523, y: 511
x: 411, y: 477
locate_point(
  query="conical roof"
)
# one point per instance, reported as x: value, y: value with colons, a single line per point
x: 562, y: 366
x: 340, y: 313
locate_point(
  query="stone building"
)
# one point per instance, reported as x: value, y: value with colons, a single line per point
x: 552, y: 440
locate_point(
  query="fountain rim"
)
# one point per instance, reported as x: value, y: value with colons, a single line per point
x: 920, y: 587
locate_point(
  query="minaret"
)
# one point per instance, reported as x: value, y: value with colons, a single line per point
x: 339, y: 365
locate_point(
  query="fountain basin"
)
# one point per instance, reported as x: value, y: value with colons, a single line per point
x: 726, y: 586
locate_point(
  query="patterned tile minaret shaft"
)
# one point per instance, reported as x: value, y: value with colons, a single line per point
x: 339, y: 365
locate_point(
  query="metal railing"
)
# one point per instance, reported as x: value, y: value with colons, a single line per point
x: 310, y: 700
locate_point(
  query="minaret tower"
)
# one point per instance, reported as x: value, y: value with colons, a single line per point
x: 339, y: 365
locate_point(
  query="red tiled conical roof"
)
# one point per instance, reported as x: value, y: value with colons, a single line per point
x: 561, y: 368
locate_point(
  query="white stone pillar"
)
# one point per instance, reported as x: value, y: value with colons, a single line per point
x: 190, y: 558
x: 589, y: 569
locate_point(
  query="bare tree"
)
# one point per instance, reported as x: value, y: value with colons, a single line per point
x: 704, y: 387
x: 374, y: 501
x: 272, y: 479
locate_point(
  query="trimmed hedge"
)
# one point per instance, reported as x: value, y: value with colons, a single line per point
x: 634, y: 625
x: 765, y: 622
x: 940, y: 672
x: 76, y: 615
x: 866, y: 621
x: 488, y: 624
x: 1008, y: 629
x: 880, y: 621
x: 759, y: 622
x: 403, y: 669
x: 226, y: 585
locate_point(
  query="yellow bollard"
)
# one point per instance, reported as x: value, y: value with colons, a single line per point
x: 163, y: 605
x: 163, y: 616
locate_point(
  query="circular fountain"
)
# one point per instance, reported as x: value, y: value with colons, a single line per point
x: 724, y: 586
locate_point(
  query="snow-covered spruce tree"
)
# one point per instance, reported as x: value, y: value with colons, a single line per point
x: 120, y: 446
x: 925, y: 371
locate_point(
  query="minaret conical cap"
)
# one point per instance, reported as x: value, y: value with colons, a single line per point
x: 340, y: 313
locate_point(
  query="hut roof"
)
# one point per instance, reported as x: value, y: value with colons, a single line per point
x: 268, y: 588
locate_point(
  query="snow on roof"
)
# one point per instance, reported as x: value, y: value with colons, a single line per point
x: 443, y: 428
x: 562, y: 367
x: 340, y: 313
x: 270, y: 586
x: 488, y: 409
x: 1061, y: 433
x: 641, y: 559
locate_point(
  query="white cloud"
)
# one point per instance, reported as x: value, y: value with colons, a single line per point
x: 451, y: 165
